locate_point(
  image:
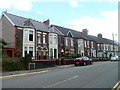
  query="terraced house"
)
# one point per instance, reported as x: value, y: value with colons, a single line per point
x: 25, y: 35
x: 45, y: 41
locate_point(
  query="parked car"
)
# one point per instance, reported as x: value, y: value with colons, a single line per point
x: 117, y: 57
x: 114, y: 58
x: 82, y: 61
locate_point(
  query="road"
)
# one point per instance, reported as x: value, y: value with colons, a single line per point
x: 98, y: 75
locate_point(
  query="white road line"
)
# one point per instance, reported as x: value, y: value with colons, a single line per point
x: 116, y: 85
x: 60, y: 82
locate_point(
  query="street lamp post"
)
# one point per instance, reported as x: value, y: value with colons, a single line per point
x: 113, y: 43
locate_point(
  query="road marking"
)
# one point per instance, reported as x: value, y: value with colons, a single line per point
x: 23, y: 74
x: 116, y: 85
x: 60, y: 82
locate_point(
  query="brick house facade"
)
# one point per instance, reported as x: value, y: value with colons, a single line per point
x: 45, y: 41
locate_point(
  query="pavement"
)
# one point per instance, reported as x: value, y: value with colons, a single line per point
x: 38, y: 70
x: 35, y: 70
x: 99, y: 75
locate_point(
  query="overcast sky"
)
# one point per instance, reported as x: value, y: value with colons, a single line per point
x: 98, y: 16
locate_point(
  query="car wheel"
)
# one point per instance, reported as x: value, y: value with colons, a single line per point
x: 84, y: 63
x: 75, y: 64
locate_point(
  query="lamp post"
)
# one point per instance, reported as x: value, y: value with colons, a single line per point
x: 113, y: 43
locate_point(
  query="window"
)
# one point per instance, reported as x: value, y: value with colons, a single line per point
x: 44, y: 38
x: 98, y: 46
x: 85, y: 44
x: 55, y: 53
x: 44, y: 51
x: 88, y: 44
x: 51, y: 39
x: 38, y: 38
x: 30, y: 35
x: 25, y: 35
x: 51, y: 53
x: 80, y: 43
x: 71, y: 41
x: 92, y: 44
x: 31, y: 51
x: 25, y: 51
x: 66, y: 40
x: 55, y: 39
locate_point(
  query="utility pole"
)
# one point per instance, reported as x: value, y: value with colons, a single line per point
x: 113, y: 44
x: 113, y: 35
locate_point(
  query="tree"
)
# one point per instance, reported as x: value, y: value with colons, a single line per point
x: 3, y: 43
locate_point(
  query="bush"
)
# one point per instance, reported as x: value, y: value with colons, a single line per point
x: 11, y: 64
x: 27, y: 60
x: 14, y: 64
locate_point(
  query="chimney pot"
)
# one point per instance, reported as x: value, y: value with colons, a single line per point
x: 85, y: 31
x: 99, y: 35
x: 47, y: 22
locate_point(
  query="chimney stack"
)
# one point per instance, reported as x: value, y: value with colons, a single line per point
x: 47, y: 22
x: 85, y: 31
x: 99, y: 35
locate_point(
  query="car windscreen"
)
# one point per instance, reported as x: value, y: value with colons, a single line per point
x: 78, y: 58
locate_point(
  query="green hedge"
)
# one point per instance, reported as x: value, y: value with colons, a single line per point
x: 15, y: 64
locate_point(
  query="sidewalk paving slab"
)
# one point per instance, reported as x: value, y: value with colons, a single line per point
x: 35, y: 70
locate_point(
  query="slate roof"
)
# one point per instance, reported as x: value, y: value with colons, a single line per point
x: 65, y: 31
x: 53, y: 30
x: 19, y: 21
x: 77, y: 34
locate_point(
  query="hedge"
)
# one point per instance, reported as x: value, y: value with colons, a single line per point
x: 15, y: 64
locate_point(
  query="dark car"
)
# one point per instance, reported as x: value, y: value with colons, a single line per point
x: 82, y: 61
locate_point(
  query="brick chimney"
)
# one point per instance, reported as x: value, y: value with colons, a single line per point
x: 85, y: 31
x: 99, y: 35
x: 47, y: 22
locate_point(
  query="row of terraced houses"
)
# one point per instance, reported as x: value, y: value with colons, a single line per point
x: 46, y: 41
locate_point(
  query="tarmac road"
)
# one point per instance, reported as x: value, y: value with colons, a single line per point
x: 98, y: 75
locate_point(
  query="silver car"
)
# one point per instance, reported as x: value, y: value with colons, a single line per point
x: 114, y: 58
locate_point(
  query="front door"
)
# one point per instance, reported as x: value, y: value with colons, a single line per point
x: 55, y: 53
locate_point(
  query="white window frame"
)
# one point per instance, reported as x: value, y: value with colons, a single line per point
x: 88, y: 44
x: 92, y: 44
x: 78, y: 43
x: 40, y: 37
x: 85, y: 43
x: 66, y: 41
x: 54, y: 39
x: 51, y: 39
x: 71, y: 41
x: 44, y: 40
x: 28, y: 32
x: 29, y: 35
x: 28, y: 50
x: 25, y: 35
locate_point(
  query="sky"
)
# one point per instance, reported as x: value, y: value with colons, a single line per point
x: 98, y: 16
